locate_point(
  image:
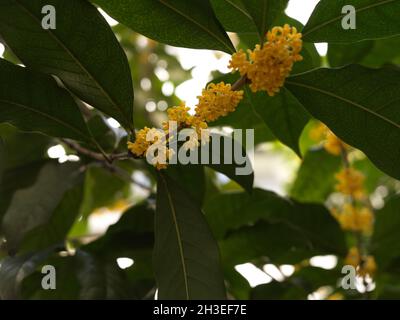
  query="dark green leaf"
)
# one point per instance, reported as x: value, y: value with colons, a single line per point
x: 374, y: 19
x: 82, y: 51
x: 266, y: 240
x: 55, y: 229
x: 240, y: 167
x: 34, y: 102
x: 179, y: 23
x: 186, y: 257
x: 360, y: 105
x: 35, y: 146
x: 385, y: 244
x: 102, y: 189
x: 35, y: 205
x: 233, y: 16
x: 13, y: 270
x: 315, y: 179
x: 343, y: 54
x: 283, y: 114
x: 313, y: 222
x: 264, y: 13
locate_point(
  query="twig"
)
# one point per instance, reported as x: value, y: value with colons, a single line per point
x: 107, y: 161
x: 239, y: 83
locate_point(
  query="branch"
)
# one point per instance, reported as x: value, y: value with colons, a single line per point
x: 239, y: 84
x: 107, y: 161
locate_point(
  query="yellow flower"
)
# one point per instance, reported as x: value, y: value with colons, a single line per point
x: 366, y: 264
x: 353, y: 257
x: 350, y: 182
x: 355, y: 219
x: 333, y: 144
x: 160, y: 161
x: 269, y: 65
x: 335, y: 296
x: 239, y: 62
x: 368, y: 267
x: 217, y: 100
x: 179, y: 114
x: 318, y: 132
x: 141, y: 144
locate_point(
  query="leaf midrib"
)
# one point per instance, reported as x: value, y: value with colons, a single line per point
x: 54, y: 36
x: 353, y: 103
x: 196, y: 23
x: 341, y: 16
x: 239, y: 9
x: 45, y: 115
x: 179, y: 237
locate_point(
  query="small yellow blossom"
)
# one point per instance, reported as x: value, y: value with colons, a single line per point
x: 368, y: 267
x: 318, y: 132
x: 179, y: 114
x: 239, y: 62
x: 269, y: 65
x: 335, y: 296
x: 353, y: 257
x: 333, y: 144
x: 350, y: 182
x: 355, y: 219
x: 216, y: 101
x: 141, y: 144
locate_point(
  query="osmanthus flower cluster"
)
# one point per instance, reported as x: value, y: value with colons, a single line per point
x: 356, y: 214
x: 216, y: 101
x: 269, y: 64
x: 364, y: 264
x: 265, y: 68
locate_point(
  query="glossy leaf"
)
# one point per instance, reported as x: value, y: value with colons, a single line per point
x: 34, y: 102
x: 283, y: 114
x: 264, y: 12
x: 233, y: 16
x: 186, y: 257
x: 360, y: 105
x: 374, y: 19
x: 82, y: 51
x: 178, y: 22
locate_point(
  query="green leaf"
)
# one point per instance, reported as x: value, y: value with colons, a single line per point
x: 340, y: 54
x: 186, y: 257
x: 34, y: 102
x: 315, y: 179
x: 55, y: 229
x: 35, y: 146
x: 374, y: 19
x: 82, y: 51
x: 13, y: 270
x: 385, y: 244
x: 17, y: 178
x: 176, y: 22
x: 233, y: 16
x: 239, y: 170
x: 283, y: 114
x: 35, y: 205
x: 370, y: 53
x: 191, y: 178
x: 100, y: 279
x: 101, y: 189
x: 360, y: 105
x: 264, y: 13
x: 266, y: 240
x: 231, y: 211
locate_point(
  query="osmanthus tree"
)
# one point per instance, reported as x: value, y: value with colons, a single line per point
x: 340, y: 115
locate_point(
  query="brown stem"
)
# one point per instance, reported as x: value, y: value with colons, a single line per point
x: 239, y: 84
